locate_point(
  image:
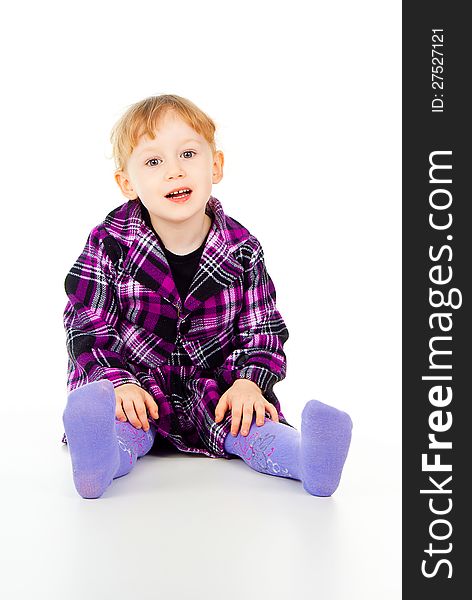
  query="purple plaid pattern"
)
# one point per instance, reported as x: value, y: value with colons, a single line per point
x: 125, y: 322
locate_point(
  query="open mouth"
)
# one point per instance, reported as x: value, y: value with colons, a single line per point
x: 179, y: 195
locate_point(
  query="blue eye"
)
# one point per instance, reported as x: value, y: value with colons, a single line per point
x: 192, y: 152
x: 150, y: 161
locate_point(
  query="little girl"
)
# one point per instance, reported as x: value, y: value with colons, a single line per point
x: 172, y: 326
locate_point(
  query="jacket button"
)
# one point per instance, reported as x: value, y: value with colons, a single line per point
x: 185, y: 326
x: 241, y: 359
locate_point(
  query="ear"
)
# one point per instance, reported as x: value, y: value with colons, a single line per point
x: 218, y: 162
x: 125, y: 185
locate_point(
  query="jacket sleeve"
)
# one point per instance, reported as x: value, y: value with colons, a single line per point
x: 94, y: 346
x: 260, y: 331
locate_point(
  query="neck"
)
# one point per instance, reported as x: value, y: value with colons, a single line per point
x: 182, y: 238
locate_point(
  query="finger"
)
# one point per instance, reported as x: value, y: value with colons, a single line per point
x: 152, y: 405
x: 120, y: 415
x: 248, y: 413
x: 236, y: 419
x: 221, y: 408
x: 140, y: 408
x: 260, y: 413
x: 270, y: 408
x: 130, y: 412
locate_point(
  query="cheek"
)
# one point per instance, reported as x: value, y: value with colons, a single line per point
x: 202, y: 170
x: 149, y: 186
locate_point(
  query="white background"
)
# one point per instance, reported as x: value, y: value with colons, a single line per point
x: 306, y: 99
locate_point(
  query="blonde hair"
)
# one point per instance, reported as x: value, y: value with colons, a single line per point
x: 143, y: 118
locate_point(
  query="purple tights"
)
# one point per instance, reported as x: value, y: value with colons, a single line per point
x: 315, y: 457
x: 102, y: 448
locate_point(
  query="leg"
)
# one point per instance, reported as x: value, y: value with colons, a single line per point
x: 272, y: 448
x: 133, y: 444
x: 315, y: 457
x: 101, y: 447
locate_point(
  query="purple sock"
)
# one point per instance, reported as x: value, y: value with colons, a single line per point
x: 89, y: 422
x: 324, y: 444
x: 315, y: 457
x: 133, y: 444
x: 272, y: 448
x: 101, y: 447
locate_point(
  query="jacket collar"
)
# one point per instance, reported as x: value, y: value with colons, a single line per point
x: 146, y: 261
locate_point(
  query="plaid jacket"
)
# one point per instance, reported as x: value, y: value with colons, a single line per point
x: 125, y: 322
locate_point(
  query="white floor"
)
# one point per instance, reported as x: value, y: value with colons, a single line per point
x: 196, y: 527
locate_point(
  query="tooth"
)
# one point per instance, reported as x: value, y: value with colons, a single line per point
x: 183, y: 191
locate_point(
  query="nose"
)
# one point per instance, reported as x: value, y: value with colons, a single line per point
x: 174, y: 170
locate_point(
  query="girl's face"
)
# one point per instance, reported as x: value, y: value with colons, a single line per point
x: 177, y: 158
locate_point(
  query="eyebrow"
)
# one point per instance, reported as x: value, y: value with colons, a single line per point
x: 150, y: 147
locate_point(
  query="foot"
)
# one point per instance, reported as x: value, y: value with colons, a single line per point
x: 89, y: 422
x: 324, y: 444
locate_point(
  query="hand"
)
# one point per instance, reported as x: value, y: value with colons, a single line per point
x: 243, y: 397
x: 131, y: 402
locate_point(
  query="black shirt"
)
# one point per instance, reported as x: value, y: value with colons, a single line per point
x: 183, y: 267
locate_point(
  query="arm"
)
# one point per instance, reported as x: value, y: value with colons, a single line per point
x: 94, y: 346
x: 260, y: 331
